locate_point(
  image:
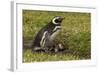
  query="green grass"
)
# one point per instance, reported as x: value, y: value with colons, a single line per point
x: 37, y: 57
x: 75, y: 35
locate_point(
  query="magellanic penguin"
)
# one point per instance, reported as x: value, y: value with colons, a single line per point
x: 44, y: 39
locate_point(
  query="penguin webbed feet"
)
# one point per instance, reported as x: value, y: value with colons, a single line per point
x: 38, y: 49
x: 53, y: 49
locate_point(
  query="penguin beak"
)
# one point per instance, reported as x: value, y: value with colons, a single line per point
x: 63, y: 18
x: 60, y: 19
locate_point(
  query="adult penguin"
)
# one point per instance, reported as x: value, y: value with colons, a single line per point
x: 44, y: 40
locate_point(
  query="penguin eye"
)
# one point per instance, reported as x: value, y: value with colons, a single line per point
x: 58, y: 21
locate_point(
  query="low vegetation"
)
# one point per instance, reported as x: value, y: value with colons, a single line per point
x: 75, y: 34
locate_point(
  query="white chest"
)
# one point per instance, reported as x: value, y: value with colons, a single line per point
x: 53, y: 36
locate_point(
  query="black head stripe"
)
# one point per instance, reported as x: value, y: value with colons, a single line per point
x: 56, y: 28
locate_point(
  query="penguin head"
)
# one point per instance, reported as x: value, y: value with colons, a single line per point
x: 57, y: 20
